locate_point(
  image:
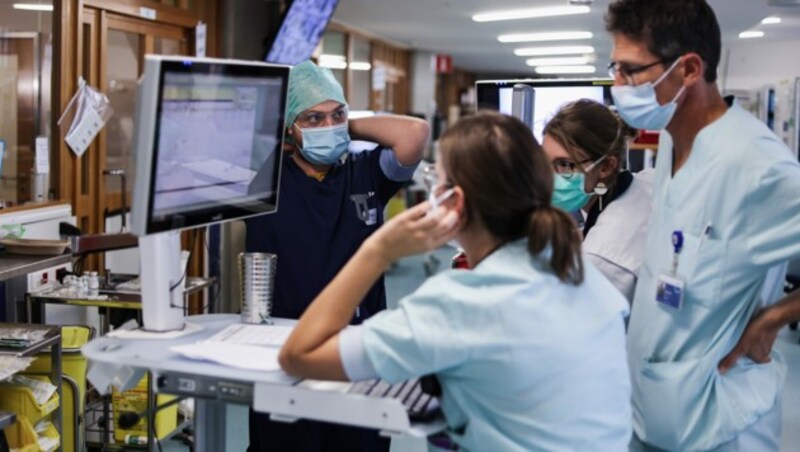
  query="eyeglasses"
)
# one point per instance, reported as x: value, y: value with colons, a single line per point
x: 567, y: 167
x: 317, y: 118
x: 627, y: 72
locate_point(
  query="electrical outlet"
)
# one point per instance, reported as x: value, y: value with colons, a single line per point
x: 45, y: 279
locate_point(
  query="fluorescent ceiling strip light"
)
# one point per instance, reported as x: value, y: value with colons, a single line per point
x: 771, y: 20
x: 552, y: 36
x: 556, y: 50
x: 360, y: 66
x: 530, y: 13
x: 332, y: 61
x: 565, y: 70
x: 33, y: 7
x: 566, y: 61
x: 751, y: 34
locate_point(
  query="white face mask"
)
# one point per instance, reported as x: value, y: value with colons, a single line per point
x: 435, y: 201
x: 639, y: 107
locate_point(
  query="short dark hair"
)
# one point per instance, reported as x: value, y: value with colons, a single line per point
x: 670, y: 28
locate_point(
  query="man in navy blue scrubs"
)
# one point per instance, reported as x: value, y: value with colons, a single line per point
x: 331, y: 200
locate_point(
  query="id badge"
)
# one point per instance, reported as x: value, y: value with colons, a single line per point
x: 669, y: 291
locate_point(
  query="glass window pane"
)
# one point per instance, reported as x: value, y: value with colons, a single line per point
x: 361, y: 71
x: 122, y: 73
x: 25, y: 66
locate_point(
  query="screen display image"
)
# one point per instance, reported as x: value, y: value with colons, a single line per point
x: 301, y: 30
x: 215, y: 134
x: 208, y: 138
x: 549, y: 96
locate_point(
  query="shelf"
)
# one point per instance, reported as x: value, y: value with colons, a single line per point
x: 644, y: 147
x: 53, y: 337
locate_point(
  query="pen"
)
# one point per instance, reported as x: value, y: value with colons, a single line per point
x: 706, y: 233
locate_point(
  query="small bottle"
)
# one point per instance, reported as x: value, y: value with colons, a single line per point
x: 83, y: 287
x: 94, y: 284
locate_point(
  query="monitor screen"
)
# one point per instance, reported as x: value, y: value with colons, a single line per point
x: 208, y: 142
x: 549, y: 96
x: 302, y: 27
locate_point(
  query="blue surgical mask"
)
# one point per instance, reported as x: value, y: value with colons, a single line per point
x: 325, y: 145
x: 639, y: 107
x: 568, y: 194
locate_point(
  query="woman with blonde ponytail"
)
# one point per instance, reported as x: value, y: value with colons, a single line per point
x: 528, y: 345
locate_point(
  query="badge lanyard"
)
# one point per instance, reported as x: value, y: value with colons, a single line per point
x: 671, y: 286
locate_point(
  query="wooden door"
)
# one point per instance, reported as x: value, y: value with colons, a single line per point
x: 105, y: 42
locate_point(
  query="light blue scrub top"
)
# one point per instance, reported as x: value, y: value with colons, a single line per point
x: 744, y: 182
x: 525, y: 361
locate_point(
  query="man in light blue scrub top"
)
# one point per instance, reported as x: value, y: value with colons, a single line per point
x: 727, y: 209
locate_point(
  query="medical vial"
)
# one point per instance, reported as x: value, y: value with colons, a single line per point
x: 93, y: 284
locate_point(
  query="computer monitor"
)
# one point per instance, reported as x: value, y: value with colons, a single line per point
x: 301, y: 29
x: 208, y: 144
x: 549, y: 96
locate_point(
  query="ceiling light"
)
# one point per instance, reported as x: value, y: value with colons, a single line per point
x: 33, y: 6
x: 530, y: 13
x: 566, y: 61
x: 751, y: 34
x: 556, y: 50
x: 771, y: 20
x: 360, y: 66
x: 566, y: 70
x: 552, y: 36
x: 332, y: 61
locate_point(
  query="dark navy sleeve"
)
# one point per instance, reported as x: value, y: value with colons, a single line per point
x: 388, y: 175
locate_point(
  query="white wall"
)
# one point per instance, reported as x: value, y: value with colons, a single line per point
x: 752, y: 64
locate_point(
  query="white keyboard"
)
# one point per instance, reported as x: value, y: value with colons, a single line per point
x: 269, y: 335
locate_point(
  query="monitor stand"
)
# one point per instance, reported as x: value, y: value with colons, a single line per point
x: 162, y: 282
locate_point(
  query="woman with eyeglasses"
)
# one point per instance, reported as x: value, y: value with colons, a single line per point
x: 331, y: 200
x: 528, y: 345
x: 585, y: 142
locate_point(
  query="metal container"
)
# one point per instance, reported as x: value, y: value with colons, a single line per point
x: 257, y: 282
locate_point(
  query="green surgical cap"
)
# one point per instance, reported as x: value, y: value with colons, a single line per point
x: 310, y: 85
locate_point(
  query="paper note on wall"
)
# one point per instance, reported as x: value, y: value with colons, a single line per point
x: 201, y: 32
x: 82, y: 135
x: 42, y: 155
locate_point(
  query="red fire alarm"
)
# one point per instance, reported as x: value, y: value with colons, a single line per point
x: 444, y: 64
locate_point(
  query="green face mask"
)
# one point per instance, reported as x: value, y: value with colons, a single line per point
x: 568, y: 194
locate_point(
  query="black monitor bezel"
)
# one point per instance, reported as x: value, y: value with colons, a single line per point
x: 220, y: 213
x: 482, y: 85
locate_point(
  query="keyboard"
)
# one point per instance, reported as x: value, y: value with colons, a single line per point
x: 247, y: 334
x: 421, y: 407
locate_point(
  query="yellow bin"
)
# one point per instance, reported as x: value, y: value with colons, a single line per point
x: 73, y: 365
x: 135, y: 400
x: 22, y: 437
x: 20, y: 400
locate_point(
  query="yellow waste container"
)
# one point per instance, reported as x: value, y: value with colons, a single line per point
x: 73, y: 365
x: 135, y: 401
